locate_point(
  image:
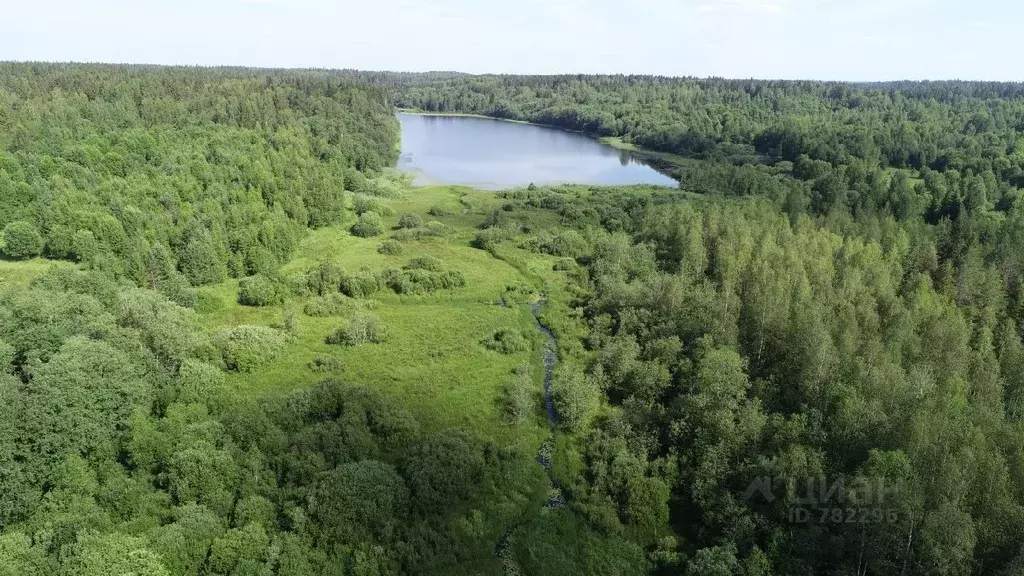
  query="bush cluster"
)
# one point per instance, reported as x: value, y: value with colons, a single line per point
x: 245, y: 348
x: 324, y: 363
x: 421, y: 275
x: 417, y: 281
x: 410, y: 220
x: 567, y: 244
x: 368, y: 225
x: 260, y: 290
x: 177, y: 289
x: 507, y: 341
x: 390, y: 248
x: 518, y: 396
x: 564, y: 264
x: 362, y: 204
x: 324, y: 278
x: 359, y: 330
x: 333, y: 304
x: 361, y: 285
x: 431, y: 229
x: 437, y: 210
x: 498, y: 219
x: 427, y: 262
x: 489, y: 238
x: 22, y: 240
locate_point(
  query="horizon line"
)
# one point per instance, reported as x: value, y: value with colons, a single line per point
x: 545, y: 75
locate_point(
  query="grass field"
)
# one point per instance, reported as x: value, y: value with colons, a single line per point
x: 433, y: 361
x: 23, y: 271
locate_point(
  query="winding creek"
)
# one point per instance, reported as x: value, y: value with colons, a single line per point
x: 550, y: 358
x: 556, y: 499
x: 546, y: 451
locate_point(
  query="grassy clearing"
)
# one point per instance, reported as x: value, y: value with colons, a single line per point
x: 433, y: 360
x: 24, y: 271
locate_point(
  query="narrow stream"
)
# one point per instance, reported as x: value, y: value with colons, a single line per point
x: 550, y: 358
x: 547, y: 449
x: 556, y: 499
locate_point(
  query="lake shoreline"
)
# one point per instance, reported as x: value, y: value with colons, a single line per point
x: 663, y: 163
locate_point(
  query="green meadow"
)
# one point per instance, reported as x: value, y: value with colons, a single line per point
x: 433, y: 361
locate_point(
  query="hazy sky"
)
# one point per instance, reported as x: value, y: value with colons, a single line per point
x: 828, y: 39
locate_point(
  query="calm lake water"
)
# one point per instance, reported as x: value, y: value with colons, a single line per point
x: 492, y: 154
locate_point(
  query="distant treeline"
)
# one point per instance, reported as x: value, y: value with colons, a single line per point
x: 841, y: 141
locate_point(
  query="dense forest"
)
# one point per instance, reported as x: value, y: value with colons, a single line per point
x: 235, y: 342
x: 959, y: 143
x: 858, y: 321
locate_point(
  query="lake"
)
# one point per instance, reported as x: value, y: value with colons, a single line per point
x: 494, y: 154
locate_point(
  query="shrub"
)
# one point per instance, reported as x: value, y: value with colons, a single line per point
x: 399, y: 282
x: 363, y: 204
x: 428, y: 262
x: 507, y: 341
x: 430, y: 229
x: 324, y: 363
x: 177, y: 289
x: 358, y: 501
x: 290, y: 321
x: 490, y: 238
x: 438, y: 210
x: 85, y: 246
x: 200, y: 261
x: 403, y: 235
x: 245, y: 348
x: 564, y: 264
x: 385, y: 184
x: 22, y: 240
x: 497, y: 219
x: 570, y: 243
x: 325, y: 204
x: 418, y: 281
x: 360, y: 285
x: 444, y: 470
x: 516, y: 400
x: 296, y: 284
x: 434, y: 228
x: 369, y: 225
x: 334, y: 304
x: 533, y: 243
x: 356, y: 181
x: 324, y: 278
x: 359, y: 330
x: 410, y: 220
x: 198, y: 382
x: 517, y: 294
x: 391, y: 248
x: 260, y: 291
x: 575, y: 397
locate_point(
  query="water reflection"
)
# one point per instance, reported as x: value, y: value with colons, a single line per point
x: 493, y: 154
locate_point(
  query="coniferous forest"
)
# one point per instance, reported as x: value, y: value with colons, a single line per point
x: 234, y: 340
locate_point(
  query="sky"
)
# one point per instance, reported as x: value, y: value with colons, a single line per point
x: 857, y: 40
